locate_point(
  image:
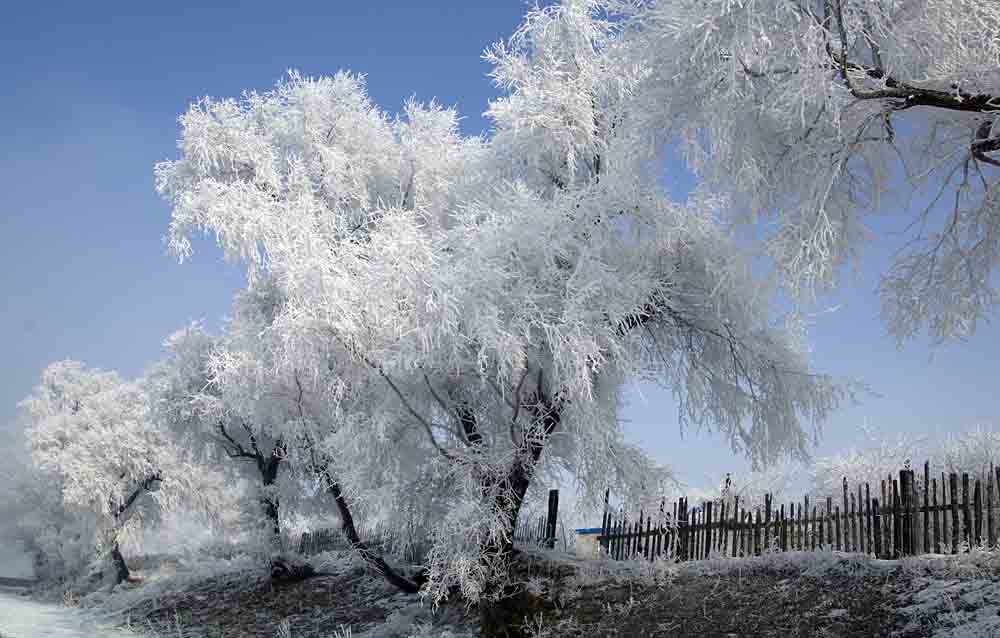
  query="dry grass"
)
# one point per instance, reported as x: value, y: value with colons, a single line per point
x: 821, y: 595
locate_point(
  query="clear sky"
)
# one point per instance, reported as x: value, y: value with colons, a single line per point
x: 89, y: 101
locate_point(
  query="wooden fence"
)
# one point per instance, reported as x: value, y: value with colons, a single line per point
x: 380, y: 537
x: 906, y: 516
x: 540, y: 530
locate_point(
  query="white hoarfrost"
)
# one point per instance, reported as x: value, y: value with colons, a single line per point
x: 469, y: 309
x: 807, y: 112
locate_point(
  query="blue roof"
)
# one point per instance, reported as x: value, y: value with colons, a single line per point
x: 588, y: 530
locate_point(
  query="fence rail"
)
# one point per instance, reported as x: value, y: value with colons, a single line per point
x: 905, y: 516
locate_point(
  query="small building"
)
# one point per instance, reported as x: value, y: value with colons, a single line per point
x: 586, y: 545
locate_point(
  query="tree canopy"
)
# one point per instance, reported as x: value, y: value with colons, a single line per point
x: 433, y: 321
x: 808, y: 112
x: 471, y: 307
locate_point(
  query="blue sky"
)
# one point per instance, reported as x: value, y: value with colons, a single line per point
x: 89, y: 103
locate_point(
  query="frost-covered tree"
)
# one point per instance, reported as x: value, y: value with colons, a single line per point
x: 880, y: 455
x: 976, y: 451
x: 36, y: 517
x: 227, y: 394
x: 806, y: 111
x: 92, y: 444
x: 470, y: 308
x: 216, y: 392
x: 883, y: 455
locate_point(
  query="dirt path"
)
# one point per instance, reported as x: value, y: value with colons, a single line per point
x: 21, y: 617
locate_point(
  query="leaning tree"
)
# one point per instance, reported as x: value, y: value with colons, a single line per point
x: 480, y: 304
x: 806, y: 112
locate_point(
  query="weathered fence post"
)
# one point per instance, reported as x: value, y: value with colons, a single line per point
x: 897, y: 535
x: 637, y: 538
x: 978, y: 501
x: 812, y: 536
x: 966, y: 514
x: 904, y: 497
x: 860, y: 518
x: 885, y: 510
x: 926, y: 508
x: 681, y: 524
x: 708, y: 529
x: 829, y: 522
x: 847, y: 533
x: 953, y: 485
x: 658, y: 543
x: 990, y: 536
x: 756, y: 533
x: 803, y: 522
x: 914, y: 508
x: 854, y: 525
x: 674, y: 545
x: 877, y: 528
x: 868, y: 519
x: 550, y: 521
x: 937, y: 516
x: 765, y: 541
x: 736, y: 523
x: 996, y: 483
x: 605, y: 520
x: 836, y: 522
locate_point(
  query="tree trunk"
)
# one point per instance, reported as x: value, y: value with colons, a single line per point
x: 122, y: 572
x: 117, y: 560
x: 505, y: 618
x: 269, y: 475
x: 401, y: 582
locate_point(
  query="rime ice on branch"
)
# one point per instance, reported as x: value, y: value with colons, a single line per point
x: 468, y: 308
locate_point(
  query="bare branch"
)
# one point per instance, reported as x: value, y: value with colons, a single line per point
x: 236, y: 450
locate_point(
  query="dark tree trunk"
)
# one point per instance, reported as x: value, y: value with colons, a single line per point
x: 372, y: 558
x: 505, y: 618
x: 122, y: 572
x: 269, y: 475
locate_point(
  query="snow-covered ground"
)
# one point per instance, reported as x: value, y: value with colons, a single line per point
x: 21, y: 617
x: 821, y: 593
x: 15, y: 563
